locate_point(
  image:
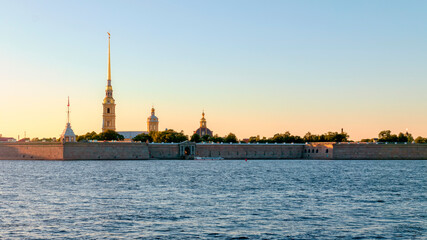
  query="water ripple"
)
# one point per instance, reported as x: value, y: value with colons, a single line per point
x: 295, y: 199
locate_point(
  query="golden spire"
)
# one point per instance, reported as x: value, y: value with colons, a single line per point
x: 68, y: 110
x: 109, y: 62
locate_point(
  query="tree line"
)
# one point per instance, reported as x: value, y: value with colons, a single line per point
x: 387, y: 136
x: 287, y: 137
x: 169, y: 136
x: 108, y: 135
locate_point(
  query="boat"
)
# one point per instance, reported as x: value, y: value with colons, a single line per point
x: 208, y: 158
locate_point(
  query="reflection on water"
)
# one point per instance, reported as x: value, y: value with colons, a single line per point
x: 213, y: 199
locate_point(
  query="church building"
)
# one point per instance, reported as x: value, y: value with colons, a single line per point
x: 109, y: 105
x: 68, y: 133
x: 203, y: 130
x: 152, y: 122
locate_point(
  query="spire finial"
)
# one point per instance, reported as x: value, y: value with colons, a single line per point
x: 109, y: 62
x: 68, y: 110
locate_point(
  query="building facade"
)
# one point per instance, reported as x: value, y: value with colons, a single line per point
x: 109, y: 105
x: 153, y: 122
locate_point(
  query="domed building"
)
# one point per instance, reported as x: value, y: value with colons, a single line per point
x: 152, y: 122
x: 203, y: 129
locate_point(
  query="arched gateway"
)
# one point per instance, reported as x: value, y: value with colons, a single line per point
x: 187, y: 149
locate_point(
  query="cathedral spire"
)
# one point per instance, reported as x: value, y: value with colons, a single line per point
x: 109, y: 61
x: 68, y: 110
x: 109, y: 106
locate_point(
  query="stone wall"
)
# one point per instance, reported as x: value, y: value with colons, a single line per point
x: 106, y: 151
x: 164, y: 151
x: 363, y: 151
x: 129, y: 151
x: 318, y: 151
x: 250, y: 151
x: 31, y: 151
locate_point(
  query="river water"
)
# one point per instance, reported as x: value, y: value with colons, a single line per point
x: 296, y: 199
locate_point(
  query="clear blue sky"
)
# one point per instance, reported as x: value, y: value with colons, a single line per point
x: 256, y: 67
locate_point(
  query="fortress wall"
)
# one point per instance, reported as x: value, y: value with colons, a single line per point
x: 164, y: 151
x: 128, y: 151
x: 250, y: 151
x: 105, y: 151
x: 318, y: 150
x: 31, y: 151
x: 380, y: 151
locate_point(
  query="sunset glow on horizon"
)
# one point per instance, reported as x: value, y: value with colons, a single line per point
x: 255, y: 68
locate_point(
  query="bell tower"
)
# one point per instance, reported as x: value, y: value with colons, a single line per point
x: 153, y: 122
x: 109, y: 105
x: 203, y: 120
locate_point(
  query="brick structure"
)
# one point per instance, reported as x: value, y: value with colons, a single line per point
x: 250, y: 151
x: 377, y: 151
x: 31, y: 151
x: 140, y: 151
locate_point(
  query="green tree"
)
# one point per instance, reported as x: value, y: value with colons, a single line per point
x: 169, y: 136
x: 420, y: 140
x: 230, y: 138
x: 143, y: 137
x: 110, y: 135
x: 196, y: 138
x: 402, y: 138
x: 88, y: 136
x: 206, y: 138
x: 217, y: 138
x: 253, y: 139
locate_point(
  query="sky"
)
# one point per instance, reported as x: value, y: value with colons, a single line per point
x: 254, y: 67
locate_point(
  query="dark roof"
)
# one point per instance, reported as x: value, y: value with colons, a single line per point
x: 206, y: 131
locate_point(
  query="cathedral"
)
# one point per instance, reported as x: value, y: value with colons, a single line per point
x: 203, y: 129
x: 109, y: 105
x: 109, y: 109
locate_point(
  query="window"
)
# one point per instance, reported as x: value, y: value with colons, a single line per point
x: 108, y: 110
x: 312, y: 151
x: 317, y: 150
x: 108, y: 123
x: 327, y: 150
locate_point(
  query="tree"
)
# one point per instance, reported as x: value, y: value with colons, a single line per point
x: 217, y: 138
x: 402, y: 138
x: 88, y: 136
x: 196, y: 138
x: 384, y: 135
x: 169, y: 136
x: 110, y: 135
x: 420, y: 140
x: 206, y: 138
x: 253, y: 139
x: 143, y: 137
x: 230, y: 138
